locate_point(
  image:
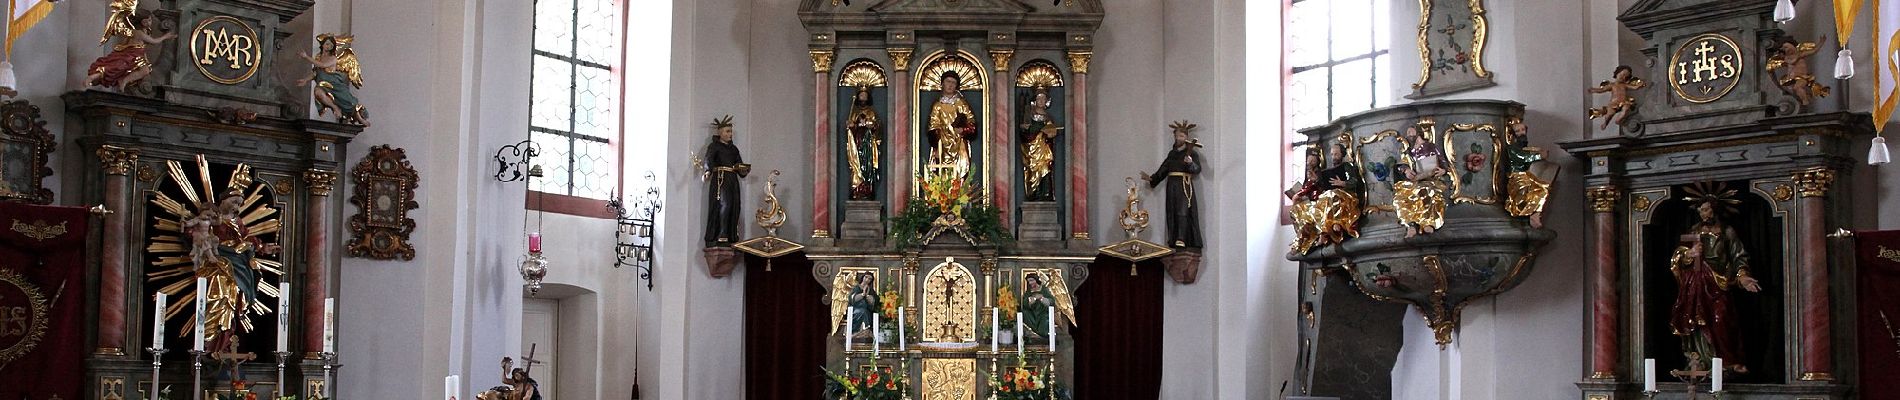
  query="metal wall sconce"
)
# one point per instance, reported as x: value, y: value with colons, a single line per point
x: 633, y: 241
x: 516, y: 162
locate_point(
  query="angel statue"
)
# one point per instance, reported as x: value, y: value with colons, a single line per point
x: 856, y: 295
x: 126, y: 64
x: 1420, y: 196
x: 1038, y: 297
x: 1798, y: 80
x: 1709, y: 265
x: 337, y: 75
x: 1038, y: 152
x: 1621, y: 82
x: 224, y: 252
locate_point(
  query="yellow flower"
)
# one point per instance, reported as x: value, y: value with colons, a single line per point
x: 1006, y: 299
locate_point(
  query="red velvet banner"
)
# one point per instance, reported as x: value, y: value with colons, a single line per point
x: 1879, y: 256
x: 42, y: 297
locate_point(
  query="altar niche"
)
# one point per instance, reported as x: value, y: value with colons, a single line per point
x: 1040, y: 129
x: 1759, y: 327
x: 951, y: 144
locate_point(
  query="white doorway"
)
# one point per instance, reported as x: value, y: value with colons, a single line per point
x: 540, y: 334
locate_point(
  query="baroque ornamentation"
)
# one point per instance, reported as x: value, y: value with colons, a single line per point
x: 222, y: 231
x: 24, y: 137
x: 821, y: 61
x: 1079, y: 60
x: 1038, y: 73
x: 22, y: 336
x: 900, y: 59
x: 1000, y: 58
x: 147, y: 173
x: 117, y: 160
x: 385, y: 192
x: 1451, y: 43
x: 1640, y: 202
x: 1602, y: 198
x: 39, y: 230
x: 1814, y: 182
x: 321, y: 181
x: 1784, y: 192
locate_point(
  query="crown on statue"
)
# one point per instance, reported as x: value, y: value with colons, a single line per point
x: 1183, y: 126
x: 722, y: 122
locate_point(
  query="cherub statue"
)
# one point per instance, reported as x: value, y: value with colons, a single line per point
x: 126, y: 64
x: 1798, y: 80
x: 1621, y: 103
x: 337, y: 75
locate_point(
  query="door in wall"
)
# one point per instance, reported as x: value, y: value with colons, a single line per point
x: 540, y: 326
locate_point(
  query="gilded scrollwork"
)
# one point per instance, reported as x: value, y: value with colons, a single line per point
x: 1460, y: 51
x: 1814, y: 182
x: 900, y: 58
x: 115, y: 160
x: 1602, y: 198
x: 1079, y: 61
x: 321, y: 181
x: 385, y: 193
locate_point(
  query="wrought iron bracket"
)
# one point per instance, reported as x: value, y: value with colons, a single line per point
x: 516, y: 162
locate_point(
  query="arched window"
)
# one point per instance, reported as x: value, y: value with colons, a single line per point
x: 574, y: 116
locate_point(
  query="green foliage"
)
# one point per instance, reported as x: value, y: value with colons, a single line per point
x: 984, y: 221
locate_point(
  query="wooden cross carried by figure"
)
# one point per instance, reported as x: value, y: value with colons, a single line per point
x: 530, y: 360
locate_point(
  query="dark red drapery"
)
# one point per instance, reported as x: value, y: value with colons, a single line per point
x: 1879, y: 261
x: 1118, y: 331
x: 46, y: 245
x: 784, y: 329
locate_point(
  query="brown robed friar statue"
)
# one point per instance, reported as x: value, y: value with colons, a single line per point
x: 724, y: 168
x: 1178, y: 171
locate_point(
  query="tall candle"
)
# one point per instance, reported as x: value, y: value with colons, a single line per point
x: 448, y: 386
x: 848, y: 325
x: 158, y: 321
x: 996, y: 327
x: 1052, y: 329
x: 198, y: 330
x: 1019, y: 332
x: 876, y: 331
x: 1715, y: 375
x: 900, y: 329
x: 1649, y: 375
x: 534, y: 242
x: 283, y: 317
x: 329, y: 325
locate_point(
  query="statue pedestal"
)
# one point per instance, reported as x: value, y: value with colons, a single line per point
x: 1041, y: 224
x: 1184, y: 266
x: 863, y: 224
x: 720, y: 261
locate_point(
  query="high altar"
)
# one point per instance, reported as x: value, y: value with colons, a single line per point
x: 963, y: 124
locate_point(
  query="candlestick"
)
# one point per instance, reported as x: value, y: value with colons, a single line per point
x: 1052, y: 329
x: 534, y: 242
x: 156, y: 363
x: 158, y: 320
x: 329, y: 325
x: 282, y: 356
x: 1715, y: 375
x: 197, y: 371
x: 198, y: 330
x: 996, y: 328
x: 1019, y: 333
x: 283, y: 316
x: 1649, y: 375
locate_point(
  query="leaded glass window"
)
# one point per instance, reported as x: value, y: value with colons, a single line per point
x: 573, y: 100
x: 1338, y: 63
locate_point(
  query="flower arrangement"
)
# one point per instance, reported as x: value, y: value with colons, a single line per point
x: 947, y: 201
x: 1006, y: 302
x: 946, y: 193
x: 870, y: 385
x: 1019, y: 383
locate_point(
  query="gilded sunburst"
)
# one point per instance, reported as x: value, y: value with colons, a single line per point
x: 969, y: 76
x: 1038, y: 73
x: 862, y: 73
x: 225, y: 233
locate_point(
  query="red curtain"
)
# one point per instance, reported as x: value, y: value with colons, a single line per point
x: 1118, y: 331
x: 784, y: 329
x: 1879, y: 254
x: 46, y: 245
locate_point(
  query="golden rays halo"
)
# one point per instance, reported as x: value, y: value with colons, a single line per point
x: 173, y: 269
x: 1038, y: 73
x: 969, y: 77
x: 862, y: 73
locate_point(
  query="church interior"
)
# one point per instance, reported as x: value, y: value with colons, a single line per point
x: 949, y: 199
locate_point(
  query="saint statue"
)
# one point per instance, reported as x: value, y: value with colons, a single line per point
x: 1326, y: 208
x: 520, y: 386
x: 1039, y: 155
x: 862, y: 144
x: 126, y: 64
x: 1420, y: 196
x: 952, y: 125
x: 864, y: 303
x: 1178, y: 171
x: 724, y: 168
x: 1709, y: 264
x: 337, y: 75
x: 224, y: 252
x: 1798, y: 79
x: 1035, y: 306
x: 1621, y: 82
x: 1530, y: 176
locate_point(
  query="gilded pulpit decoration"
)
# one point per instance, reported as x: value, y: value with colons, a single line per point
x: 225, y: 49
x: 23, y: 316
x: 337, y: 74
x: 127, y: 64
x: 1602, y: 198
x: 1705, y: 68
x: 1528, y: 185
x: 1325, y: 207
x: 1079, y: 61
x: 385, y: 192
x: 1788, y: 64
x: 1419, y: 194
x: 1451, y: 41
x: 25, y: 145
x: 117, y: 160
x: 821, y: 61
x: 1814, y: 182
x: 949, y: 303
x: 1622, y: 81
x: 222, y: 232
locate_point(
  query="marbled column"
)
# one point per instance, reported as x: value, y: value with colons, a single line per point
x: 1817, y: 346
x: 1079, y: 143
x: 900, y: 161
x: 316, y: 261
x: 1002, y: 155
x: 1603, y: 349
x: 116, y: 162
x: 821, y: 170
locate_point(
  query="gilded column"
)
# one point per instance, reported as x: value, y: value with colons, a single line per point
x: 316, y: 263
x: 1079, y: 143
x: 116, y: 162
x: 901, y: 90
x: 821, y: 145
x: 1003, y: 165
x: 1817, y: 346
x: 1605, y: 312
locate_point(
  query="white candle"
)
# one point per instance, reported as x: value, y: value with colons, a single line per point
x: 848, y: 325
x: 900, y: 330
x: 876, y: 330
x: 158, y: 321
x: 198, y: 330
x: 1649, y: 375
x: 329, y: 325
x: 1715, y: 375
x: 1052, y: 329
x: 448, y: 386
x: 283, y: 317
x: 1019, y: 332
x: 996, y: 326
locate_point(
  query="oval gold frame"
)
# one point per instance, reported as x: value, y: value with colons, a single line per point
x: 196, y: 51
x: 1741, y: 68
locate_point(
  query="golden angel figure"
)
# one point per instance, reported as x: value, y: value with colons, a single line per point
x: 1420, y: 196
x: 1798, y: 79
x: 952, y: 125
x: 1621, y: 103
x: 337, y: 75
x: 126, y: 64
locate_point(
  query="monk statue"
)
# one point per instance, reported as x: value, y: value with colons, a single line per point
x: 724, y: 168
x: 1178, y: 171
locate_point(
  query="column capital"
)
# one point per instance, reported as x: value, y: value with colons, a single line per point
x: 1079, y: 60
x: 900, y: 58
x: 1603, y: 198
x: 1814, y: 182
x: 321, y: 181
x: 117, y: 160
x: 1001, y: 58
x: 821, y: 61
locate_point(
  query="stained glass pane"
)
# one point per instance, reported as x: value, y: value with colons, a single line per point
x: 597, y: 28
x: 554, y: 26
x: 1350, y: 34
x: 594, y: 102
x: 1306, y: 99
x: 553, y: 161
x: 1352, y: 87
x: 1306, y: 26
x: 551, y: 105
